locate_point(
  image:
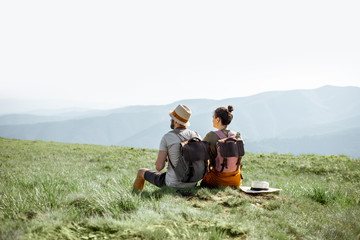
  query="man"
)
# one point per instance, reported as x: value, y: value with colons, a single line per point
x: 169, y: 149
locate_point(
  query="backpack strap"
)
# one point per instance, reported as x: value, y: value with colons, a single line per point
x: 172, y: 165
x: 232, y: 134
x: 238, y: 163
x: 222, y: 135
x: 223, y: 165
x: 182, y: 139
x: 240, y: 171
x: 191, y: 172
x: 178, y: 133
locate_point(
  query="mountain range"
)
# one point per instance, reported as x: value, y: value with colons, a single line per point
x: 320, y: 121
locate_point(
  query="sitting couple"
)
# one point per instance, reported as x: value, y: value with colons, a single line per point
x: 170, y: 149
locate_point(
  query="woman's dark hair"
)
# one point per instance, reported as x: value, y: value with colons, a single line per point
x: 224, y: 114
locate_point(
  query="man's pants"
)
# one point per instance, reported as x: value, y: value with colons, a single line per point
x: 156, y: 178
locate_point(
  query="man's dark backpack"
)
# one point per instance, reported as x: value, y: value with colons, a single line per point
x: 193, y: 160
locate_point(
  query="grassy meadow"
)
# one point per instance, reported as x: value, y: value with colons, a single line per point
x: 54, y: 190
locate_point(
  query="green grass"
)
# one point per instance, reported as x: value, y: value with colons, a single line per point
x: 53, y: 190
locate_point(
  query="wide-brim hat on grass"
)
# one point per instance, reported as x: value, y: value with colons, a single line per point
x: 259, y: 187
x: 181, y: 114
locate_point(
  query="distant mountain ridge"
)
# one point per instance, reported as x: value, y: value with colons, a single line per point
x: 297, y: 121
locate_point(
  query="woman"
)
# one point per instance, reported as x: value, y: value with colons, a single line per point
x: 221, y: 119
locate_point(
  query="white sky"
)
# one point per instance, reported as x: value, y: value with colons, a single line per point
x: 116, y: 53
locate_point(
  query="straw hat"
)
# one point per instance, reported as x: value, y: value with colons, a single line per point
x: 259, y: 187
x: 181, y: 114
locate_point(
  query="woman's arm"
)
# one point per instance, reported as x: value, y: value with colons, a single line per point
x: 212, y: 138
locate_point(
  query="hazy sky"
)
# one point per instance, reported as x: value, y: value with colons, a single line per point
x: 115, y: 53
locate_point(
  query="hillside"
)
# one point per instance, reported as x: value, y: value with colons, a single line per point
x: 325, y: 144
x: 52, y: 190
x: 272, y: 117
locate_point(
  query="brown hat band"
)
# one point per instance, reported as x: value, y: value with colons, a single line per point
x: 180, y: 118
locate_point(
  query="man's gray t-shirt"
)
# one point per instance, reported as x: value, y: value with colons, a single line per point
x: 170, y: 143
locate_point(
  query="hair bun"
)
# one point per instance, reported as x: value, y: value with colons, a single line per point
x: 230, y: 108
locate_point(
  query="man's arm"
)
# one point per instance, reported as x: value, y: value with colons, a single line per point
x: 161, y: 159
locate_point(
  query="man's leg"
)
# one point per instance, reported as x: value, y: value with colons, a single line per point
x: 144, y: 174
x: 140, y: 180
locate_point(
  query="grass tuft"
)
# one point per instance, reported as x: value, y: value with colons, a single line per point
x: 322, y: 196
x: 12, y: 234
x: 272, y: 205
x: 204, y: 194
x: 235, y: 202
